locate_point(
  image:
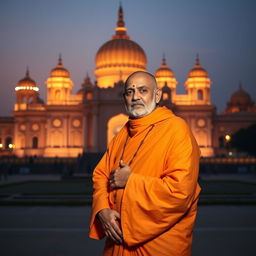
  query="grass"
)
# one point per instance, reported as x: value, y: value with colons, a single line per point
x: 77, y: 187
x: 84, y: 187
x: 227, y: 188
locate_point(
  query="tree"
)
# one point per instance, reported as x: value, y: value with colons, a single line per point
x: 244, y: 140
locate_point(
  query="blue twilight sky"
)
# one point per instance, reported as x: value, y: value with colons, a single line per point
x: 34, y: 32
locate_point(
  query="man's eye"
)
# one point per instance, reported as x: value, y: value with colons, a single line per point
x: 143, y: 90
x: 128, y: 93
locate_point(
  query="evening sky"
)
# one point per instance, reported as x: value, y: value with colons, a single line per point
x: 34, y: 32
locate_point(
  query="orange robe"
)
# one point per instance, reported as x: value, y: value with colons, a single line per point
x: 159, y: 202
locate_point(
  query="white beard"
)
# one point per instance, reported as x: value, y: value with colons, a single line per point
x: 141, y: 111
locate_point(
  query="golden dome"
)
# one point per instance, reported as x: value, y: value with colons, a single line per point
x: 27, y: 82
x: 197, y: 70
x: 120, y: 55
x: 164, y: 70
x: 59, y: 70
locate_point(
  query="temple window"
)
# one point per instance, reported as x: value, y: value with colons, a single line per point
x: 199, y: 94
x: 165, y: 96
x: 88, y: 95
x: 35, y: 142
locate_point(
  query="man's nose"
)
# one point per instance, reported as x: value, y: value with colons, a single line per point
x: 135, y: 95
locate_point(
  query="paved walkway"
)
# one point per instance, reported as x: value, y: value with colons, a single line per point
x: 63, y: 231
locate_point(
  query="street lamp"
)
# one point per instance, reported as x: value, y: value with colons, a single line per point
x: 227, y: 140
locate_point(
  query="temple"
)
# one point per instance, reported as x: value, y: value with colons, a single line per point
x: 67, y: 124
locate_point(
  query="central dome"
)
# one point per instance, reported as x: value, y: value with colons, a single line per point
x: 119, y: 57
x: 121, y: 53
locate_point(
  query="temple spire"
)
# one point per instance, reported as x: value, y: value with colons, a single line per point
x: 120, y: 22
x: 164, y: 60
x: 27, y: 73
x: 87, y: 82
x: 240, y: 85
x: 120, y: 29
x: 60, y: 60
x: 197, y: 60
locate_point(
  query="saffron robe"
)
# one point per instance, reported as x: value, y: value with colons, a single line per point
x: 159, y: 202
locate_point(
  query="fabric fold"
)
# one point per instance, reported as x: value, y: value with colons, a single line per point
x: 158, y: 205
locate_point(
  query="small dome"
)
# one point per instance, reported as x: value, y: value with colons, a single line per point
x: 241, y: 97
x: 26, y: 82
x: 240, y: 101
x: 164, y: 70
x: 59, y: 70
x: 26, y: 85
x: 197, y: 70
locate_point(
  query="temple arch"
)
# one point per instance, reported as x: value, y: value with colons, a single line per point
x: 115, y: 124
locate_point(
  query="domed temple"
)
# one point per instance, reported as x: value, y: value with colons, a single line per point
x: 69, y: 124
x: 118, y: 57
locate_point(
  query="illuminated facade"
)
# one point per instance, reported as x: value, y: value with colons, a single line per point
x: 69, y: 124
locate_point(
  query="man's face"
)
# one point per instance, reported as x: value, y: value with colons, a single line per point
x: 141, y: 95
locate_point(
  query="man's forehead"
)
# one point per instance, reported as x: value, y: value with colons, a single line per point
x: 134, y: 86
x: 139, y: 80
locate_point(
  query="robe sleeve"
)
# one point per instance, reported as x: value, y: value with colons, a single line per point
x: 152, y: 205
x: 100, y: 195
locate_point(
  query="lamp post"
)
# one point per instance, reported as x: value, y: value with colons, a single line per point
x: 227, y: 140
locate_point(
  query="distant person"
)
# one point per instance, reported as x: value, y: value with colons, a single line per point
x: 145, y: 186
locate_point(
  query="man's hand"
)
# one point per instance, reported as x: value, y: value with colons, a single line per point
x: 108, y: 220
x: 118, y: 178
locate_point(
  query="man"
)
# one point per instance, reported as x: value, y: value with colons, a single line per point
x: 145, y: 186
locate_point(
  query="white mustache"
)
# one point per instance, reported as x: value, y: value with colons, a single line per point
x: 137, y: 103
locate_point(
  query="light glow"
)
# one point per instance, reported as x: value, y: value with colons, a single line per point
x: 227, y: 138
x: 26, y: 88
x: 120, y: 29
x: 11, y: 146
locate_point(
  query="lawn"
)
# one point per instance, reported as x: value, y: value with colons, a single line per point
x: 227, y: 188
x: 65, y: 187
x: 84, y: 187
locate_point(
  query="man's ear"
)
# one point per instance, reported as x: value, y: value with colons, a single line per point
x: 158, y: 95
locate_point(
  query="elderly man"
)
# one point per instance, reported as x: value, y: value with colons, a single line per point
x: 145, y: 186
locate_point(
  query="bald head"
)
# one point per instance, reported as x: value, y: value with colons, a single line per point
x: 141, y: 94
x: 145, y: 75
